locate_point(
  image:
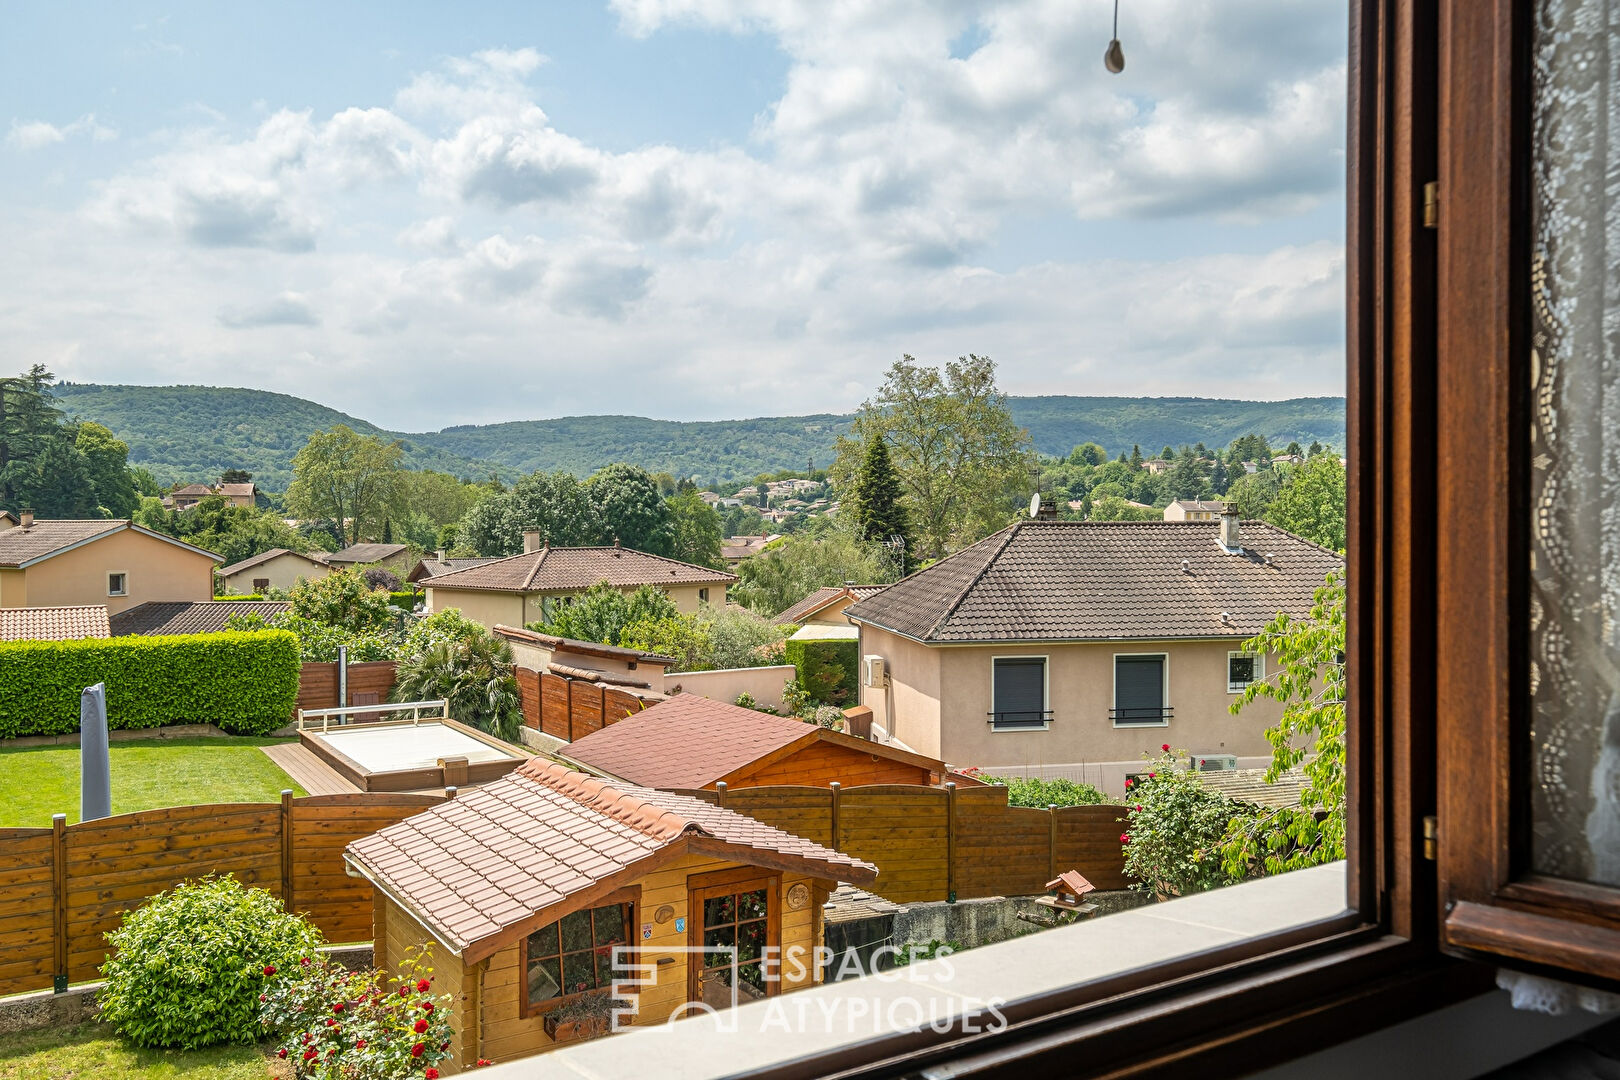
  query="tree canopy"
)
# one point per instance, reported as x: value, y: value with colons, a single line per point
x: 874, y: 501
x: 630, y: 509
x: 58, y: 468
x: 350, y: 479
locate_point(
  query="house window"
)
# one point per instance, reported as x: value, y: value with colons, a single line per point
x: 260, y: 584
x: 1140, y: 696
x: 1018, y: 696
x: 703, y: 596
x: 1242, y: 669
x: 117, y: 584
x: 574, y: 955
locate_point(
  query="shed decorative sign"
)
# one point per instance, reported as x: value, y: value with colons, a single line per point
x: 798, y: 896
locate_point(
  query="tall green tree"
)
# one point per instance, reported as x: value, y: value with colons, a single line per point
x: 555, y: 504
x: 696, y: 528
x: 962, y: 460
x: 1311, y: 502
x: 106, y: 459
x: 874, y: 503
x: 793, y: 567
x: 233, y: 533
x: 42, y: 468
x: 1187, y: 478
x: 348, y: 478
x: 1088, y: 453
x: 1251, y: 494
x: 631, y: 509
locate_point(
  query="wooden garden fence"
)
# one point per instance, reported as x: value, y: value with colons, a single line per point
x: 63, y: 888
x: 939, y: 843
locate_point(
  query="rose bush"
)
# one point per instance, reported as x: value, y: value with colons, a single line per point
x: 1175, y: 827
x: 336, y: 1024
x: 191, y: 963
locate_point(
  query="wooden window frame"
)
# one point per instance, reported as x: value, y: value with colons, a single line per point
x: 700, y: 887
x: 631, y: 895
x: 1493, y: 904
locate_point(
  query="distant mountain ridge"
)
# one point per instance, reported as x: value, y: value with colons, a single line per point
x: 185, y: 433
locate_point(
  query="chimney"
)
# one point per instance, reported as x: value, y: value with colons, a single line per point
x: 531, y: 541
x: 1231, y: 536
x: 25, y: 516
x: 439, y: 556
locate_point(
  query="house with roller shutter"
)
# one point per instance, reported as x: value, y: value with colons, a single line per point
x: 1072, y: 648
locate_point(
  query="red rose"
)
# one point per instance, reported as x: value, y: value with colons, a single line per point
x: 1128, y: 783
x: 304, y: 960
x: 445, y: 1045
x: 427, y: 1006
x: 1124, y: 838
x: 416, y: 1051
x: 430, y: 1073
x: 282, y: 1052
x: 1138, y: 808
x: 337, y: 1006
x: 1201, y: 761
x: 485, y: 1061
x: 1165, y: 748
x: 419, y: 1027
x: 310, y: 1055
x: 422, y: 985
x: 1151, y: 775
x: 359, y: 1044
x: 404, y: 991
x: 269, y: 969
x: 263, y: 998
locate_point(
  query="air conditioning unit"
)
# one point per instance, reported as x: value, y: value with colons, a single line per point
x: 1216, y: 762
x: 874, y: 671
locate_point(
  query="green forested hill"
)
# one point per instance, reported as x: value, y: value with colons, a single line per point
x: 193, y: 432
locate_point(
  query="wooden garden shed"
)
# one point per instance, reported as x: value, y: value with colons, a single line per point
x: 691, y: 743
x: 524, y: 887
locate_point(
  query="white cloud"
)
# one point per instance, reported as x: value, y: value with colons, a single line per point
x: 456, y: 226
x: 37, y: 134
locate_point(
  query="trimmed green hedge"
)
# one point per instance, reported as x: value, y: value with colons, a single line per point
x: 826, y: 669
x: 406, y: 599
x: 246, y: 682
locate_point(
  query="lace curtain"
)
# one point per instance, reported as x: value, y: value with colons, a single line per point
x: 1575, y: 466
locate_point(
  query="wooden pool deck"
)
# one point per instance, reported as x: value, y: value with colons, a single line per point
x: 311, y: 773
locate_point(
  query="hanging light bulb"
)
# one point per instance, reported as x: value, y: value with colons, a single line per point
x: 1114, y: 57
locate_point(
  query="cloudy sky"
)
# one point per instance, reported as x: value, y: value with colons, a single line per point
x: 428, y: 214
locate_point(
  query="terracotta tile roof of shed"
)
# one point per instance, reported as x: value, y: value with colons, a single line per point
x: 822, y: 597
x: 576, y: 569
x: 54, y: 623
x: 502, y: 854
x: 1100, y: 581
x: 1249, y: 786
x: 24, y: 545
x: 365, y: 553
x: 263, y: 557
x: 190, y: 616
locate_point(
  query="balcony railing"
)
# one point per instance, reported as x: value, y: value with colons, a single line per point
x: 1020, y: 718
x: 1153, y: 714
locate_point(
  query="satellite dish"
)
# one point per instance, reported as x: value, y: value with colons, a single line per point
x: 1035, y: 505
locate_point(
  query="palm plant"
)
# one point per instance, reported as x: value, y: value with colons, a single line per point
x: 473, y: 673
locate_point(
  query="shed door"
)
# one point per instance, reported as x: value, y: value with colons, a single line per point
x: 736, y: 918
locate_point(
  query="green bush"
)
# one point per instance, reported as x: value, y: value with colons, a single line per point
x: 826, y: 669
x: 247, y: 683
x: 192, y: 962
x: 1033, y: 791
x: 406, y: 599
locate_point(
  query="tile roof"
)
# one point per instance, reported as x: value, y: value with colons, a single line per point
x: 576, y: 569
x: 1093, y: 581
x: 237, y: 490
x: 24, y: 545
x: 190, y: 616
x: 365, y: 553
x: 193, y: 489
x: 1249, y: 786
x: 429, y: 568
x: 823, y: 597
x: 505, y: 857
x: 688, y: 742
x: 582, y: 648
x: 263, y: 557
x: 53, y: 623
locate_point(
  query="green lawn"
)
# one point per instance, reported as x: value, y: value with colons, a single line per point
x: 91, y: 1052
x: 146, y: 773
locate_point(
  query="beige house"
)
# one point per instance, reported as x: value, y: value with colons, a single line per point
x: 513, y: 590
x: 1194, y: 510
x: 826, y: 605
x: 277, y: 568
x: 1067, y: 648
x: 112, y: 564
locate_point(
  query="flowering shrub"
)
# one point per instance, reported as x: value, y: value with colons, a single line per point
x: 192, y: 962
x: 1174, y: 828
x: 336, y: 1024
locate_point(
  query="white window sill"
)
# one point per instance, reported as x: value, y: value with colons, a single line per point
x: 847, y: 1013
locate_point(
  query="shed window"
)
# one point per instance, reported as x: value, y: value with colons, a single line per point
x: 1139, y: 696
x: 1019, y: 694
x: 574, y: 955
x: 261, y: 584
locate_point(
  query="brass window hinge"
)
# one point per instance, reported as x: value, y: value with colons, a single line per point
x: 1431, y: 838
x: 1431, y: 205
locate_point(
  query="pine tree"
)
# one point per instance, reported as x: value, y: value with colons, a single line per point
x: 1136, y: 457
x: 874, y: 500
x: 1219, y: 481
